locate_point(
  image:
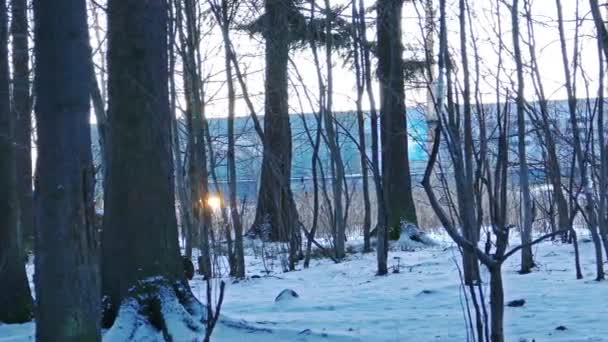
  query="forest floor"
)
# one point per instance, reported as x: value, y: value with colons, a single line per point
x: 423, y: 302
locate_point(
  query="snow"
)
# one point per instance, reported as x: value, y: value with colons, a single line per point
x: 423, y: 302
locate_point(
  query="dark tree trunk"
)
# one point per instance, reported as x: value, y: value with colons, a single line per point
x: 180, y: 181
x: 276, y: 213
x: 395, y: 163
x: 357, y: 41
x: 15, y: 298
x: 497, y: 304
x: 579, y: 153
x: 141, y: 269
x: 239, y: 254
x: 22, y: 114
x: 67, y: 248
x: 527, y: 261
x: 382, y: 245
x: 198, y: 175
x: 463, y: 161
x: 337, y: 165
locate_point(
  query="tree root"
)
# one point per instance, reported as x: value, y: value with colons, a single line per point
x: 157, y: 310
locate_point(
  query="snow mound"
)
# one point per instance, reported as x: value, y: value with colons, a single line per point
x: 287, y: 294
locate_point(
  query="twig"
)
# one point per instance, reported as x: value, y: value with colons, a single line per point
x: 213, y: 318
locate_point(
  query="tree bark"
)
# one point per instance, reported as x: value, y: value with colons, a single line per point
x: 67, y: 247
x: 497, y: 304
x: 185, y: 211
x: 395, y: 162
x: 337, y: 165
x: 198, y: 176
x: 276, y: 213
x: 602, y: 41
x: 382, y: 244
x: 527, y: 261
x: 143, y: 278
x: 360, y: 82
x: 15, y: 299
x: 581, y: 158
x: 463, y: 161
x: 22, y: 113
x: 239, y: 254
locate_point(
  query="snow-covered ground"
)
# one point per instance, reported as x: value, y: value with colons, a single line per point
x: 423, y: 302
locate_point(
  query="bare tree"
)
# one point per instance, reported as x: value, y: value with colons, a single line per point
x: 224, y: 14
x: 547, y: 135
x: 581, y: 157
x: 198, y: 173
x: 527, y: 261
x: 360, y: 85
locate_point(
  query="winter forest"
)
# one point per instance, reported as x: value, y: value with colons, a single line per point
x: 303, y: 170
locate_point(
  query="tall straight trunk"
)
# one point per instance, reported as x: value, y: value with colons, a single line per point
x: 602, y: 42
x: 527, y: 261
x: 581, y: 157
x: 395, y: 162
x: 22, y: 113
x: 15, y: 299
x: 239, y: 269
x: 603, y: 196
x: 67, y: 247
x: 185, y: 209
x: 197, y: 171
x: 382, y: 244
x: 180, y: 181
x: 337, y: 166
x: 465, y: 171
x: 361, y: 128
x: 276, y: 214
x: 143, y: 278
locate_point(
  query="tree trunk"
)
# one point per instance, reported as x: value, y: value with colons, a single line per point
x: 180, y: 181
x: 382, y: 245
x: 527, y: 261
x: 15, y: 299
x: 197, y: 170
x: 581, y: 158
x: 23, y: 116
x: 463, y: 162
x: 602, y: 41
x: 497, y: 304
x: 276, y: 213
x: 395, y: 162
x: 361, y: 128
x: 143, y: 278
x: 552, y: 165
x: 67, y: 248
x: 239, y: 256
x: 337, y: 165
